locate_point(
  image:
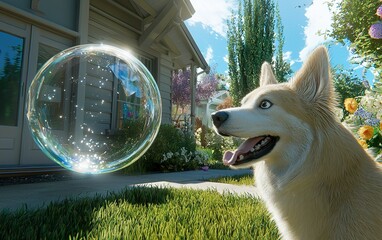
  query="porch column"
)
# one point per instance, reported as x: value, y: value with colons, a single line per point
x: 83, y: 21
x: 193, y: 96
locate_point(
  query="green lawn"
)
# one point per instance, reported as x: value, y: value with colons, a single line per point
x: 246, y: 179
x: 144, y: 213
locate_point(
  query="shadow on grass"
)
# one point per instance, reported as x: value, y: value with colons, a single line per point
x: 144, y: 213
x: 72, y: 217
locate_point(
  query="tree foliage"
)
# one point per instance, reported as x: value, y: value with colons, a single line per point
x: 251, y: 41
x: 181, y: 88
x: 351, y: 22
x: 206, y: 87
x: 347, y: 85
x: 282, y: 68
x: 227, y: 103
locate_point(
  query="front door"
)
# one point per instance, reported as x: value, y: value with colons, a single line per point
x: 13, y: 71
x: 24, y: 48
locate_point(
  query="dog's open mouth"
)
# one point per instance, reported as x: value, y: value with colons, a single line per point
x: 251, y: 149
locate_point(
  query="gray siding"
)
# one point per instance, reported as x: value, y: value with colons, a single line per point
x: 104, y: 30
x: 99, y: 98
x: 165, y: 88
x: 61, y: 12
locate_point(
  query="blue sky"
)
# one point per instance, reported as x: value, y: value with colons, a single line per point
x: 302, y: 20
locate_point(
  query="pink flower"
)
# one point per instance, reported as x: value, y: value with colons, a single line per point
x: 375, y: 31
x: 205, y: 168
x: 379, y: 11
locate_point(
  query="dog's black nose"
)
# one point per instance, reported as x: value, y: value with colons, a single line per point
x: 219, y: 117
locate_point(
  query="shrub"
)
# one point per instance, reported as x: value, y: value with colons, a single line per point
x: 172, y: 150
x: 219, y: 144
x: 183, y: 160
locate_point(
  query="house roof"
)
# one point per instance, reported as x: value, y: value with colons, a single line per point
x: 160, y: 24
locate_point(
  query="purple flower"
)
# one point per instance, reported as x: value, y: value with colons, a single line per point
x: 362, y: 113
x: 372, y: 122
x: 379, y: 11
x: 375, y: 31
x: 205, y: 168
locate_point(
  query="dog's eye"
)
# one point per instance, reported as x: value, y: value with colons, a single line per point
x: 265, y: 104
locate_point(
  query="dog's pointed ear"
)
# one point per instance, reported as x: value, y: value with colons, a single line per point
x: 313, y: 81
x: 267, y: 76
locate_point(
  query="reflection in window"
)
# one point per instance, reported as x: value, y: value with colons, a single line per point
x: 129, y: 98
x: 11, y: 57
x: 53, y: 108
x: 129, y: 94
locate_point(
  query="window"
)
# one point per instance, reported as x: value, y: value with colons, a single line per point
x: 129, y: 103
x: 11, y: 57
x: 148, y: 62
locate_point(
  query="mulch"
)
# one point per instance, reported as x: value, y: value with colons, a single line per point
x: 35, y: 178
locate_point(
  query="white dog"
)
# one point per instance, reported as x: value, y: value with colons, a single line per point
x: 315, y: 178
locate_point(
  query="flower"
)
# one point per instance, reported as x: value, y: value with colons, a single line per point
x: 372, y: 122
x: 366, y: 132
x: 362, y: 143
x: 379, y: 11
x: 375, y: 30
x: 350, y: 105
x: 368, y: 118
x: 362, y: 113
x: 205, y: 168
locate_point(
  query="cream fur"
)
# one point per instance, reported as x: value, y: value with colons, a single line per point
x: 318, y: 182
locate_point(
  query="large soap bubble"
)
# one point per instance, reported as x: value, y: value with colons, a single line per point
x: 94, y: 108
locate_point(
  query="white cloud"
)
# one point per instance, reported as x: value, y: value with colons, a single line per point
x: 225, y: 58
x: 212, y: 14
x: 319, y: 19
x: 209, y: 54
x: 287, y: 56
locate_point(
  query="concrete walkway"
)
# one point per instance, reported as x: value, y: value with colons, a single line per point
x: 35, y: 195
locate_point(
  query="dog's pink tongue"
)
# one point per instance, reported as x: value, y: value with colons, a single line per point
x: 230, y: 157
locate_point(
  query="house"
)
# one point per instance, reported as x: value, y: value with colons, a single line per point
x: 31, y: 31
x: 206, y: 107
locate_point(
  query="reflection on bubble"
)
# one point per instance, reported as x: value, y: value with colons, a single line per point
x: 94, y: 109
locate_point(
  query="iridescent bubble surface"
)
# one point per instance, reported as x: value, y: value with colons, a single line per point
x: 94, y: 108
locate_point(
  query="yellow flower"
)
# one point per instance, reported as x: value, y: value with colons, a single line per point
x: 362, y: 143
x: 366, y: 132
x: 351, y: 105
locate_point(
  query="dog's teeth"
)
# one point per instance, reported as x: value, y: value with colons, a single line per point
x: 265, y: 141
x: 252, y: 149
x: 257, y: 147
x: 241, y: 157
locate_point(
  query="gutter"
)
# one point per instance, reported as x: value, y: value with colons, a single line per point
x: 200, y: 60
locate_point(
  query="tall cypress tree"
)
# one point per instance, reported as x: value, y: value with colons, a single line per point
x: 250, y: 39
x: 282, y: 68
